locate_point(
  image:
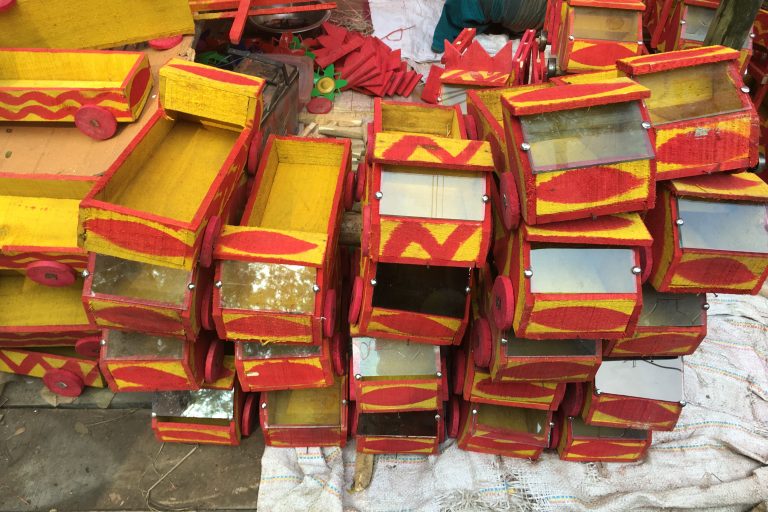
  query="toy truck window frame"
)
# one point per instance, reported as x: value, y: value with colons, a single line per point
x: 579, y: 9
x: 370, y: 345
x: 713, y: 232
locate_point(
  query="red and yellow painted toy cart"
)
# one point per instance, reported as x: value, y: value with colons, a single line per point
x: 277, y: 273
x: 670, y: 324
x: 306, y: 417
x: 579, y: 150
x: 155, y: 202
x: 709, y: 234
x: 95, y: 89
x: 578, y: 279
x: 417, y: 432
x: 579, y: 442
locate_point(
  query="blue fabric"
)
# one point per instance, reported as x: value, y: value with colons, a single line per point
x: 457, y: 15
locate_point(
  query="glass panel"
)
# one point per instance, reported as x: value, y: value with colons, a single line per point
x: 306, y: 407
x: 519, y: 347
x: 392, y: 358
x: 267, y: 287
x: 514, y: 419
x: 137, y: 345
x: 655, y: 379
x: 584, y: 137
x: 581, y: 429
x: 697, y: 22
x: 606, y: 24
x: 434, y: 195
x: 125, y: 278
x: 671, y: 309
x: 691, y: 92
x: 400, y: 424
x: 204, y: 404
x: 723, y: 226
x: 582, y: 270
x: 255, y: 350
x: 428, y: 290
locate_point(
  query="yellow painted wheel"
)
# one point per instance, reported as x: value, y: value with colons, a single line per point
x: 326, y: 85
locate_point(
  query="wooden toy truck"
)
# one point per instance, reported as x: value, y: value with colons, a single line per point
x: 286, y: 241
x: 579, y: 150
x: 416, y: 432
x: 709, y: 234
x: 578, y: 279
x: 396, y: 376
x: 306, y: 417
x: 670, y: 324
x: 39, y: 235
x: 155, y: 203
x: 711, y: 127
x: 220, y: 413
x: 596, y: 33
x: 580, y: 442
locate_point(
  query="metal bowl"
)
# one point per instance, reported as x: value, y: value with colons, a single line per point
x: 301, y: 21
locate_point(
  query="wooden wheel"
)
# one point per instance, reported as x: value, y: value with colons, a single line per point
x: 254, y: 150
x: 360, y: 181
x: 459, y: 371
x: 6, y: 4
x: 509, y: 201
x: 214, y: 361
x: 329, y: 313
x: 50, y: 273
x: 64, y: 382
x: 481, y: 343
x: 250, y: 413
x: 349, y: 191
x: 206, y: 307
x: 89, y: 347
x: 356, y: 303
x: 454, y: 416
x: 165, y: 43
x: 365, y: 234
x: 646, y: 263
x: 337, y: 354
x: 96, y: 122
x: 503, y: 297
x: 211, y: 233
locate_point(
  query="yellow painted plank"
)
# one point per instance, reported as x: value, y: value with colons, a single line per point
x: 42, y: 221
x: 26, y: 303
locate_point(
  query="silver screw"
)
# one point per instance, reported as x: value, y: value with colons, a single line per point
x: 358, y: 376
x: 154, y: 414
x: 598, y: 392
x: 439, y: 374
x: 103, y: 342
x: 467, y: 289
x: 636, y: 270
x: 315, y: 288
x: 646, y: 125
x: 752, y: 35
x: 639, y: 42
x: 571, y: 38
x: 263, y: 405
x: 525, y: 146
x: 437, y: 417
x: 551, y: 423
x: 679, y: 222
x: 682, y: 22
x: 745, y: 89
x: 705, y: 306
x: 474, y: 411
x: 373, y: 282
x: 191, y: 286
x: 485, y: 198
x: 379, y: 195
x: 528, y: 273
x: 218, y: 284
x: 504, y: 341
x: 86, y: 273
x: 683, y: 403
x: 344, y: 402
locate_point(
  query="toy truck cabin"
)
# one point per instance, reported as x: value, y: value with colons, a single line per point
x: 414, y: 432
x: 636, y: 393
x: 580, y: 442
x: 596, y: 33
x: 306, y: 417
x: 132, y: 296
x: 578, y: 279
x: 397, y: 376
x: 94, y: 89
x: 711, y: 126
x: 709, y: 235
x: 277, y: 272
x: 155, y: 202
x: 670, y: 324
x: 275, y: 366
x: 580, y: 150
x: 39, y: 228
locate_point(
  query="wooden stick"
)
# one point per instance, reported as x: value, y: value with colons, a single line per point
x: 732, y: 23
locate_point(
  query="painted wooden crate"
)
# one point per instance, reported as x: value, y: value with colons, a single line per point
x: 636, y: 393
x: 578, y: 279
x: 397, y: 376
x: 95, y: 89
x: 287, y: 240
x: 474, y: 384
x: 580, y: 150
x: 710, y: 127
x: 132, y: 296
x: 273, y: 366
x: 709, y: 235
x: 508, y: 431
x: 134, y: 361
x: 220, y: 413
x: 596, y: 33
x: 402, y: 117
x: 416, y: 432
x: 579, y: 442
x: 306, y: 417
x: 670, y: 324
x: 39, y: 236
x: 155, y: 203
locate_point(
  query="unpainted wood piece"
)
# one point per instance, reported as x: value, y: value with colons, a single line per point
x: 732, y: 23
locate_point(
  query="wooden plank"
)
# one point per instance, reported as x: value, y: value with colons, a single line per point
x: 733, y: 23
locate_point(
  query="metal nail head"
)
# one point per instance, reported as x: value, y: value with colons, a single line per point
x: 636, y: 270
x: 218, y: 284
x: 679, y: 222
x: 315, y: 288
x: 379, y: 195
x: 646, y: 125
x: 525, y: 146
x: 528, y: 273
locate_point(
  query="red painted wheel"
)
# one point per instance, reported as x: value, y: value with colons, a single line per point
x: 329, y: 313
x: 481, y: 343
x: 206, y: 307
x: 509, y: 201
x: 64, y: 382
x: 319, y: 105
x: 252, y: 162
x: 503, y: 302
x: 250, y: 413
x: 365, y: 234
x: 573, y: 400
x: 51, y: 273
x: 211, y: 233
x: 454, y: 416
x: 369, y: 145
x: 337, y: 354
x: 646, y: 263
x: 356, y: 304
x: 213, y: 361
x: 6, y: 4
x: 360, y: 178
x: 89, y: 347
x: 96, y: 122
x: 459, y: 371
x: 165, y: 43
x: 470, y: 126
x: 554, y: 434
x: 349, y: 191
